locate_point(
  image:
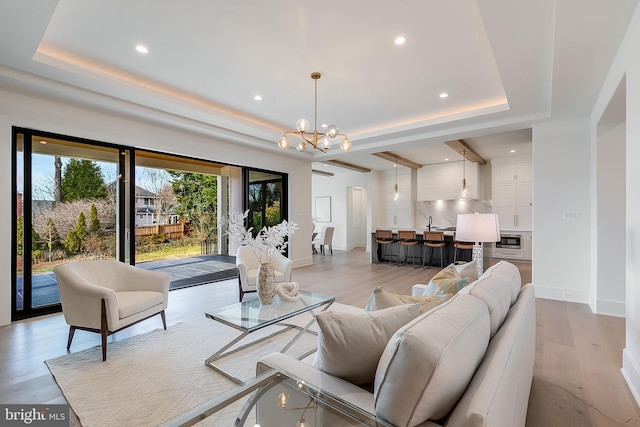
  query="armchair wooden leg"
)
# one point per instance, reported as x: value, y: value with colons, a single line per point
x: 164, y: 320
x: 103, y: 330
x: 241, y: 292
x: 72, y: 330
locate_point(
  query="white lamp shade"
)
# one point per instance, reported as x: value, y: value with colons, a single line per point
x: 478, y: 228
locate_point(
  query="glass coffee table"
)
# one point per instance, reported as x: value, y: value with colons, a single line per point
x: 277, y: 398
x: 250, y: 316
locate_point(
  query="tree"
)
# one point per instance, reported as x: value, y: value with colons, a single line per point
x: 73, y: 241
x: 94, y: 222
x: 197, y: 195
x: 20, y: 236
x: 52, y: 237
x: 57, y: 163
x: 81, y: 227
x: 82, y: 179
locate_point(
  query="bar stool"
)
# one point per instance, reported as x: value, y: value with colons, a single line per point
x: 407, y: 238
x: 384, y: 238
x: 460, y: 245
x: 434, y: 239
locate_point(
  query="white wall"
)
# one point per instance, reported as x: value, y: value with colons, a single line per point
x: 336, y: 187
x: 609, y: 289
x: 626, y: 65
x: 561, y: 189
x: 41, y: 114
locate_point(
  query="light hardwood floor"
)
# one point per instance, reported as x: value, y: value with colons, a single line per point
x: 577, y: 379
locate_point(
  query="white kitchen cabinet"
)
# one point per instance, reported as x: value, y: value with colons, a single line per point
x: 512, y: 196
x: 398, y: 213
x: 440, y: 181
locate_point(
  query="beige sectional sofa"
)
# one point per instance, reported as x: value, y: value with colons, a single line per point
x: 466, y: 362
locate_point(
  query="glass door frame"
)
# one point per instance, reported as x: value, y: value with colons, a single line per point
x: 28, y: 135
x: 284, y: 193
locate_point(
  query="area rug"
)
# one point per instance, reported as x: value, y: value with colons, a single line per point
x: 153, y: 378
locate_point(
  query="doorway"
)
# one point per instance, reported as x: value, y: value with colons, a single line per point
x: 356, y: 217
x: 69, y: 201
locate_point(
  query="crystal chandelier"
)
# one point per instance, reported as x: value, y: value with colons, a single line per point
x: 318, y: 140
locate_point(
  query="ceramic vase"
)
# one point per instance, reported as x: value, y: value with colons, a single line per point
x: 266, y: 283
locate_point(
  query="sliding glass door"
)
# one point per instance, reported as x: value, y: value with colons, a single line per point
x: 265, y: 198
x: 70, y: 204
x: 79, y: 199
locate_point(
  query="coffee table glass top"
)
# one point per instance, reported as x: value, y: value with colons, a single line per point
x: 277, y: 398
x: 252, y: 315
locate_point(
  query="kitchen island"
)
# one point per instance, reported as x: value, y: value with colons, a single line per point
x: 435, y: 259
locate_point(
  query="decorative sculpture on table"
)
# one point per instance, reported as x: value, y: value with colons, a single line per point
x: 266, y: 243
x: 288, y: 291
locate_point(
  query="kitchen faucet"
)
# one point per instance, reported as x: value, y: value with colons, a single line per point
x: 430, y: 220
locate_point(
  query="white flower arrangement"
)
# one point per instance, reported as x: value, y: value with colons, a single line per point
x: 267, y: 242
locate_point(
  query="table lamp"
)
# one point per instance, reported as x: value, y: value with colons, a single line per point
x: 478, y: 228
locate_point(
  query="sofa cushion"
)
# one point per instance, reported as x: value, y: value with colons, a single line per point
x: 350, y: 344
x: 133, y: 302
x: 495, y: 288
x: 498, y: 394
x: 381, y: 299
x: 429, y: 362
x: 511, y: 274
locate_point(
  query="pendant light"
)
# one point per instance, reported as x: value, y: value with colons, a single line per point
x: 462, y: 193
x: 395, y: 194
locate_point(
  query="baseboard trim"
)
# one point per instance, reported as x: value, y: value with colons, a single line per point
x: 631, y: 375
x: 611, y: 308
x: 569, y: 295
x: 303, y: 262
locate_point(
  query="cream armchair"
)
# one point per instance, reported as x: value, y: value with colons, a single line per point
x: 247, y: 264
x: 105, y: 296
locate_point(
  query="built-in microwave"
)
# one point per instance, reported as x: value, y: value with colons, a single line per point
x: 509, y: 241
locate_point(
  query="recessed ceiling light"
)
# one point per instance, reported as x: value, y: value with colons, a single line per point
x: 42, y: 141
x: 444, y: 95
x: 512, y: 151
x: 446, y: 159
x: 257, y: 98
x: 142, y: 49
x: 400, y: 40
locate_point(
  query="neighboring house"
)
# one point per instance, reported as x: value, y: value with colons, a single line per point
x: 146, y: 213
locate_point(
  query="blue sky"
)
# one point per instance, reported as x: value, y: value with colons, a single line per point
x: 43, y: 171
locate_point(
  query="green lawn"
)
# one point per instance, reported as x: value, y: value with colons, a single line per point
x: 169, y: 253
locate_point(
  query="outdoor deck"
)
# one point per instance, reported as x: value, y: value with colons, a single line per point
x: 184, y: 272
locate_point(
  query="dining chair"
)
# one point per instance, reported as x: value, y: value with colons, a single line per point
x: 457, y: 244
x: 408, y: 239
x: 433, y: 240
x: 384, y: 239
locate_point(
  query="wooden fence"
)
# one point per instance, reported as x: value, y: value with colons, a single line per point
x: 172, y: 231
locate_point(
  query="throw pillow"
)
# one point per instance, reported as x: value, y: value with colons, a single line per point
x: 381, y: 299
x: 350, y: 344
x: 446, y: 281
x: 468, y: 270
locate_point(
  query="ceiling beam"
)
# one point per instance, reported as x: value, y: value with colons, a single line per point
x: 348, y: 165
x: 459, y: 146
x: 319, y: 172
x: 387, y: 155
